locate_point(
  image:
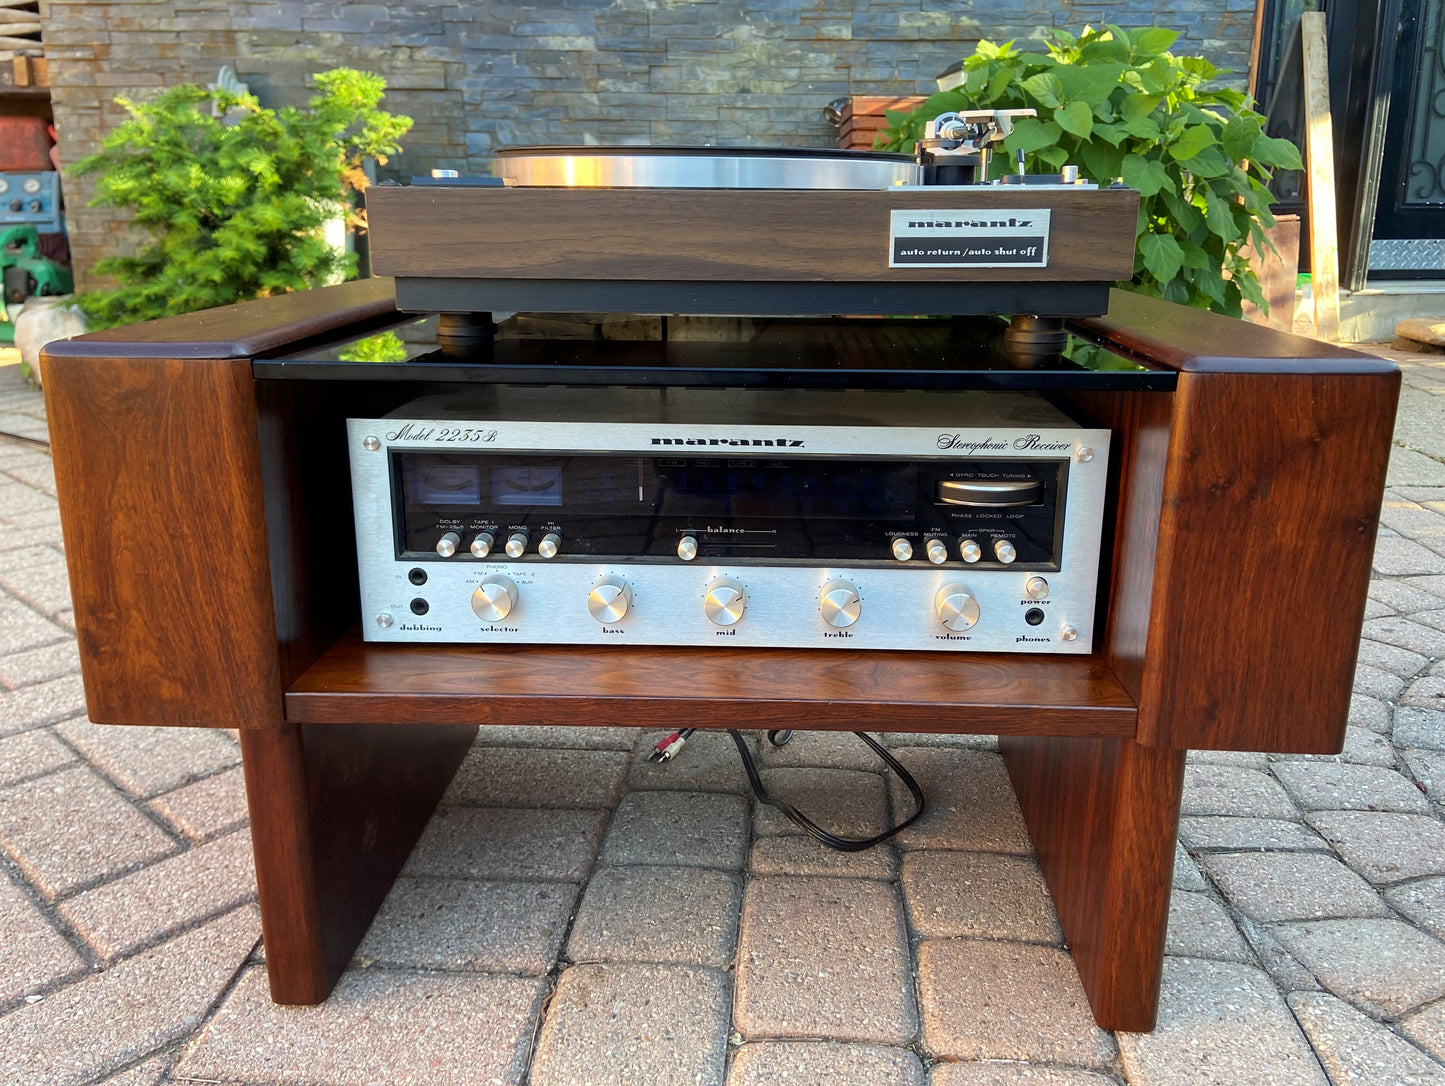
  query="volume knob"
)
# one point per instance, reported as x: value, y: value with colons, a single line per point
x: 725, y: 602
x: 956, y: 606
x: 609, y: 599
x: 840, y: 604
x: 494, y: 598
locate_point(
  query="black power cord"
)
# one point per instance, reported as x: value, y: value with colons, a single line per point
x: 833, y: 841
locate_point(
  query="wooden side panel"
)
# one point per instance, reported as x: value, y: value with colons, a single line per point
x: 335, y: 811
x: 156, y: 469
x: 1140, y: 448
x: 1271, y: 499
x: 727, y: 235
x: 1103, y: 815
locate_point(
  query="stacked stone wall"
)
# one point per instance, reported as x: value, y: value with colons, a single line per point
x: 481, y: 76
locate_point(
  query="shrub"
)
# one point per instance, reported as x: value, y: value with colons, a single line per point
x: 1118, y: 104
x: 234, y: 196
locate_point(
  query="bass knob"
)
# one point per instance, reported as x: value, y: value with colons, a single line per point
x: 609, y: 599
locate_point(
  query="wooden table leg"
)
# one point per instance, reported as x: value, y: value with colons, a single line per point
x: 335, y: 811
x: 1104, y: 814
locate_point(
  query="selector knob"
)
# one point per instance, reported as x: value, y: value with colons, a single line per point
x: 937, y: 551
x: 447, y: 545
x: 687, y: 548
x: 840, y: 604
x: 483, y: 544
x: 725, y: 601
x: 494, y: 598
x: 517, y: 544
x: 1036, y: 588
x: 1004, y: 551
x: 956, y: 606
x: 902, y: 549
x: 969, y: 550
x: 609, y: 599
x: 551, y: 543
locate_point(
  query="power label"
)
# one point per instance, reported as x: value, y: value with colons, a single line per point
x: 972, y: 238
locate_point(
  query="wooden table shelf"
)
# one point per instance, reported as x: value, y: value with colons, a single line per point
x: 989, y: 693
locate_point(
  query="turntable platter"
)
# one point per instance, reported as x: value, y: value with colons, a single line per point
x: 702, y: 167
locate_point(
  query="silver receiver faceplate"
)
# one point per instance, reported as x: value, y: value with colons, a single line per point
x: 525, y: 586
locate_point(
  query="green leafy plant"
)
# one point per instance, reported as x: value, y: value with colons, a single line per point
x: 235, y: 197
x: 1118, y: 104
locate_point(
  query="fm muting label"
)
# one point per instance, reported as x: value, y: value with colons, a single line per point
x: 972, y: 238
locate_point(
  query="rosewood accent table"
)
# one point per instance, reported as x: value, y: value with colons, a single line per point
x: 206, y: 512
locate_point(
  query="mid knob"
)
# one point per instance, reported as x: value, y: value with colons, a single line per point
x: 840, y: 604
x: 517, y: 544
x: 494, y: 598
x: 956, y: 606
x: 609, y: 599
x: 447, y: 545
x: 725, y: 601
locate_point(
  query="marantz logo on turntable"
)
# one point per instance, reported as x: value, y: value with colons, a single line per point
x: 779, y: 442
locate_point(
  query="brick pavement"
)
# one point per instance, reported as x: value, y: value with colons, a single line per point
x: 574, y: 915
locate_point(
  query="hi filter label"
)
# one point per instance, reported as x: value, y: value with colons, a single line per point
x: 975, y: 238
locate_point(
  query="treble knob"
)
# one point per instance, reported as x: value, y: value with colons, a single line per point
x: 840, y: 603
x: 956, y: 606
x: 725, y: 601
x: 517, y: 544
x: 447, y: 545
x: 495, y: 598
x: 609, y: 599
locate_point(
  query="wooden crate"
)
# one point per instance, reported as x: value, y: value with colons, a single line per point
x: 863, y: 118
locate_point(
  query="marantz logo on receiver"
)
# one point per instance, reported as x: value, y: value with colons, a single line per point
x: 780, y: 442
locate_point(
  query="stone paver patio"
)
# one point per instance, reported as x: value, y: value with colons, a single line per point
x: 574, y: 915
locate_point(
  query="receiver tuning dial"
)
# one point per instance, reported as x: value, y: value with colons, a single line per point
x: 495, y: 598
x: 447, y: 545
x: 483, y: 544
x: 957, y: 607
x: 609, y: 599
x: 724, y: 602
x: 840, y: 603
x: 517, y: 543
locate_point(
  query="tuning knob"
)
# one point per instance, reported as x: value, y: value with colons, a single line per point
x: 687, y: 548
x: 494, y: 598
x: 447, y: 545
x: 609, y: 599
x: 840, y: 604
x: 937, y: 551
x: 1004, y: 551
x: 969, y: 550
x: 550, y: 545
x: 517, y: 544
x: 956, y: 606
x: 483, y: 544
x: 725, y: 601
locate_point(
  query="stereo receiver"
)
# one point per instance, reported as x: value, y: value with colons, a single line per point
x: 859, y: 519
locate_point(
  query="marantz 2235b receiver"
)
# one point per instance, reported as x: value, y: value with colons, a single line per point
x: 864, y: 519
